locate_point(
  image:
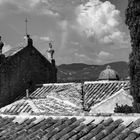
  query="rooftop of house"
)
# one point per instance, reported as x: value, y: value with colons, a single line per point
x: 98, y: 91
x: 66, y: 98
x: 98, y: 127
x: 46, y: 106
x: 16, y: 50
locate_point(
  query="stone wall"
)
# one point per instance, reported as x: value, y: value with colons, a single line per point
x: 24, y: 70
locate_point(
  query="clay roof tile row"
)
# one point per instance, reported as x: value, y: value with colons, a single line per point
x: 69, y: 128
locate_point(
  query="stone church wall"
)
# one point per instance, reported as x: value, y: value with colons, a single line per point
x: 23, y: 71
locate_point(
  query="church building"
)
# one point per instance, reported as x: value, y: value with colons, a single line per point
x: 22, y: 68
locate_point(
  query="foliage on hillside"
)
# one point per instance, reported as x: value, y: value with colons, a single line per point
x: 83, y: 72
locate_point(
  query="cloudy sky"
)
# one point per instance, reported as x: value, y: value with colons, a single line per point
x: 83, y: 31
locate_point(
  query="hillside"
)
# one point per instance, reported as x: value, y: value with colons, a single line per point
x: 82, y: 72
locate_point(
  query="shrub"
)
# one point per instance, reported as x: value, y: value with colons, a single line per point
x: 123, y: 109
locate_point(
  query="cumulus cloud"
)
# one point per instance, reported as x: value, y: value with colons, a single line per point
x: 117, y: 37
x: 35, y: 6
x: 103, y: 57
x: 82, y: 57
x: 100, y: 21
x: 97, y: 58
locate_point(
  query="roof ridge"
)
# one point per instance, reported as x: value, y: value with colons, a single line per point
x: 105, y: 81
x: 59, y: 84
x: 105, y: 115
x: 33, y: 106
x: 64, y: 101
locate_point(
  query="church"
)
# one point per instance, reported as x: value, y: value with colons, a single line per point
x: 22, y: 68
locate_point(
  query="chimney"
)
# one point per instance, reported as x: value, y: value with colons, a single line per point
x: 50, y: 53
x: 27, y: 93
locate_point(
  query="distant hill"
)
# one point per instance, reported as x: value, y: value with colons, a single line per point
x: 84, y: 72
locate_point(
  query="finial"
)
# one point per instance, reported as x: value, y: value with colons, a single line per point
x: 50, y: 44
x: 50, y: 52
x: 29, y: 40
x: 108, y: 67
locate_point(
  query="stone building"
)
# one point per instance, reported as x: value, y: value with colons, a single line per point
x: 22, y: 68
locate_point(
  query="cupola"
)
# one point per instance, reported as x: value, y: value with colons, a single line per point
x: 109, y: 74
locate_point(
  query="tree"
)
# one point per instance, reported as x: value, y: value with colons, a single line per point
x: 133, y: 22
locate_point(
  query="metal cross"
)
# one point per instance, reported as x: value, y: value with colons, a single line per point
x: 26, y: 21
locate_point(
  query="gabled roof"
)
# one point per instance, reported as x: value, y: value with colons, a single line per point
x: 108, y: 105
x: 122, y: 91
x: 98, y: 91
x: 68, y: 99
x: 19, y: 107
x: 13, y: 51
x: 49, y: 105
x: 64, y: 91
x: 70, y: 128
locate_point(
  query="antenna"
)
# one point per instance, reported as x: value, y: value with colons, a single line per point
x: 26, y: 21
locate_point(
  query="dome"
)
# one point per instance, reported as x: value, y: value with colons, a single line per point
x: 109, y: 74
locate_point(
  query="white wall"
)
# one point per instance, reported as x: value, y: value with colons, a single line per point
x: 108, y: 105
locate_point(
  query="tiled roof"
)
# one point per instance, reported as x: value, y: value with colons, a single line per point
x: 65, y: 91
x: 96, y: 92
x: 49, y: 105
x: 108, y: 105
x: 69, y: 128
x: 54, y: 106
x: 21, y: 106
x: 66, y: 99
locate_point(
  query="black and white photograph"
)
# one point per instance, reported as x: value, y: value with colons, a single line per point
x: 69, y: 69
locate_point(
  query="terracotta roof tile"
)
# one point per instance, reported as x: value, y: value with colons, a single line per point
x: 65, y: 98
x: 96, y: 92
x: 69, y: 128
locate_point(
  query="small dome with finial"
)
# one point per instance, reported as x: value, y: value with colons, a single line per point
x: 109, y: 74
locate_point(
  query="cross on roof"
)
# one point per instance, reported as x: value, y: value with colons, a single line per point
x: 26, y: 21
